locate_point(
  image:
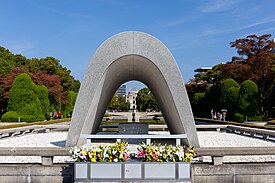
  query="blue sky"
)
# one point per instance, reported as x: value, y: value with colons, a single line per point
x: 197, y: 33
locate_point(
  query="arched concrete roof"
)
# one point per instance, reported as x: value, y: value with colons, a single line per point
x: 132, y: 56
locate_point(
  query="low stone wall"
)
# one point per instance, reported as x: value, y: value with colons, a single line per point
x: 201, y: 172
x: 242, y: 172
x: 27, y: 173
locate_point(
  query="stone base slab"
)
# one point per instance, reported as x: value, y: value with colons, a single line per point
x: 201, y: 173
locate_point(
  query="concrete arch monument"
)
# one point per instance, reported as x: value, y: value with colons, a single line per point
x: 132, y: 56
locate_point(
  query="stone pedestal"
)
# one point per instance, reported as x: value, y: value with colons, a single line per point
x: 132, y: 171
x: 135, y: 129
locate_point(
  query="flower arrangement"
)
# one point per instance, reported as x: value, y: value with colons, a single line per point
x: 118, y: 152
x: 164, y: 153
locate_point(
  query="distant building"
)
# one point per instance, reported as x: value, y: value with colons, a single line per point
x: 131, y: 98
x: 203, y: 69
x: 121, y: 91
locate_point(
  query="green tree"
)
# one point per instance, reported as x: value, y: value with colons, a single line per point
x: 228, y: 94
x: 43, y: 96
x: 45, y: 71
x: 67, y: 109
x: 34, y: 65
x: 226, y: 85
x: 146, y: 100
x: 52, y: 66
x: 123, y: 105
x: 6, y: 61
x: 21, y: 61
x: 197, y: 104
x: 232, y: 101
x: 23, y: 99
x: 49, y: 64
x: 248, y: 104
x: 211, y: 100
x: 114, y: 103
x: 257, y: 54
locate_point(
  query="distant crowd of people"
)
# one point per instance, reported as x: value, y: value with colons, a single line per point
x: 55, y: 115
x: 218, y: 115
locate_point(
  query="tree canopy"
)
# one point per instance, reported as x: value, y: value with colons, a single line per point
x: 44, y: 71
x: 255, y: 62
x: 146, y: 100
x: 24, y: 99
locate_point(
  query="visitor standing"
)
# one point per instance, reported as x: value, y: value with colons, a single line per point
x: 212, y: 117
x: 51, y: 115
x: 219, y: 116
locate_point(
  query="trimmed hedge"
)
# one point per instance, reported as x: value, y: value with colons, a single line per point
x: 22, y: 96
x: 31, y: 118
x: 24, y: 101
x: 239, y: 117
x: 249, y: 101
x: 10, y: 116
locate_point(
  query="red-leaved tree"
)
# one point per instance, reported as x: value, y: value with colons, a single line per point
x: 257, y: 57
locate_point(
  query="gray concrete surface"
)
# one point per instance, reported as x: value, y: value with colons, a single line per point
x: 132, y: 56
x: 36, y: 173
x: 201, y: 173
x: 231, y: 173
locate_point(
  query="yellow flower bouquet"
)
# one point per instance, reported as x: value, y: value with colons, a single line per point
x: 118, y: 152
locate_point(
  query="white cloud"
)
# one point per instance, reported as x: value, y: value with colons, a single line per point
x: 20, y: 47
x: 260, y: 32
x: 226, y: 31
x: 52, y: 7
x: 181, y: 21
x: 218, y: 5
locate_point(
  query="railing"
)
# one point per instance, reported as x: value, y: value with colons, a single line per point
x: 251, y: 131
x: 218, y: 128
x: 217, y: 153
x: 30, y: 129
x: 47, y: 153
x: 133, y: 136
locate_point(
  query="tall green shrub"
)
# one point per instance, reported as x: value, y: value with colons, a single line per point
x: 229, y: 96
x: 43, y: 95
x: 213, y: 96
x: 226, y: 84
x: 211, y: 100
x: 232, y: 101
x: 198, y: 104
x: 249, y: 103
x: 68, y: 108
x: 23, y: 98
